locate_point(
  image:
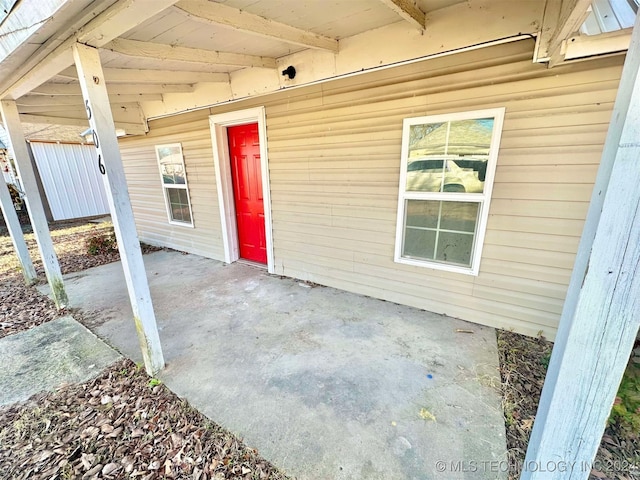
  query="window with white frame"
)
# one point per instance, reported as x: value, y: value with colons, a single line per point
x: 174, y: 184
x: 448, y: 165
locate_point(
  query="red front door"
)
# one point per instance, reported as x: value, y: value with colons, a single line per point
x: 244, y: 150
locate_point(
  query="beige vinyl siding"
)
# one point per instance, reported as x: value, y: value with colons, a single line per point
x: 334, y: 160
x: 143, y: 177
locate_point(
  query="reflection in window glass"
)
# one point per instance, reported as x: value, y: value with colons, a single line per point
x: 427, y: 139
x: 172, y: 173
x: 449, y: 156
x: 167, y: 151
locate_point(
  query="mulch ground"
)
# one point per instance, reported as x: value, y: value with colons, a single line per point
x: 123, y: 425
x: 523, y: 366
x: 120, y: 425
x: 23, y: 307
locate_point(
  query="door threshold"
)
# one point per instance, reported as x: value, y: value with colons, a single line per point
x: 251, y: 263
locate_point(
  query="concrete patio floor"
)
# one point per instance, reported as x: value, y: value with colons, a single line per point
x: 324, y: 383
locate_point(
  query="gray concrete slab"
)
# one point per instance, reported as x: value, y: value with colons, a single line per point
x: 48, y: 356
x: 324, y: 383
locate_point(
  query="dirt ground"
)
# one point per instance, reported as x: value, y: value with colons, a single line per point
x: 125, y: 424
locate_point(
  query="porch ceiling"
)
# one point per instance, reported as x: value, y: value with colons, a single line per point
x: 187, y: 43
x: 219, y: 50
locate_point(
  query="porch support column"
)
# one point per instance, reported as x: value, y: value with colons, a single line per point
x: 94, y: 93
x: 15, y: 231
x: 37, y: 215
x: 601, y: 315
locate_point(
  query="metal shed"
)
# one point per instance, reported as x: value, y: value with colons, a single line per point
x: 70, y: 179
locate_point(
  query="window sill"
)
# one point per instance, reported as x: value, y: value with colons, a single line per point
x: 182, y: 224
x: 437, y: 266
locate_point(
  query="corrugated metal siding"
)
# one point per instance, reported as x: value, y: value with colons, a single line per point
x: 609, y: 16
x: 4, y: 137
x: 71, y: 179
x: 334, y: 156
x: 4, y: 157
x: 141, y: 169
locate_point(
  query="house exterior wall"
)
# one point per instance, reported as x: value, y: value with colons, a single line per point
x: 334, y: 164
x: 145, y: 189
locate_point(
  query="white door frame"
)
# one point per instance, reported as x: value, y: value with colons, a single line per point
x: 224, y: 183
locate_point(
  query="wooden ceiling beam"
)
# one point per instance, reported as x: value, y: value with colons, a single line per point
x: 135, y: 48
x: 117, y: 89
x: 130, y: 128
x: 123, y: 113
x: 218, y: 14
x: 409, y: 11
x: 562, y: 19
x: 130, y: 116
x: 66, y: 108
x: 134, y: 75
x: 572, y: 15
x: 35, y: 100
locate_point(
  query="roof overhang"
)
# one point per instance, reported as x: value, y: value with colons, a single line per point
x: 166, y: 56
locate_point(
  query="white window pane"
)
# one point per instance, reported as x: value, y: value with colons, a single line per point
x: 427, y: 139
x: 179, y: 205
x: 167, y: 173
x: 459, y: 216
x: 168, y: 153
x: 419, y: 243
x: 440, y: 230
x: 462, y: 175
x: 444, y: 193
x: 174, y: 181
x: 173, y: 173
x: 450, y: 156
x: 470, y: 137
x: 179, y: 175
x: 426, y: 175
x: 420, y: 213
x: 454, y: 248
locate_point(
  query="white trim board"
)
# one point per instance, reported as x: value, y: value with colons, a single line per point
x: 219, y: 139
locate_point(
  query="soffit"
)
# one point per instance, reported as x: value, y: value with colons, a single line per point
x: 182, y: 28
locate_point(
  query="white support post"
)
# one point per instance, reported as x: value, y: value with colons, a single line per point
x: 11, y: 120
x: 15, y: 232
x: 96, y: 100
x: 601, y: 316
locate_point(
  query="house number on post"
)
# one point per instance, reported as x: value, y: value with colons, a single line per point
x: 96, y: 140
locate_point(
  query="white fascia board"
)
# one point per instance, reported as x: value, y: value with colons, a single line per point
x: 583, y: 46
